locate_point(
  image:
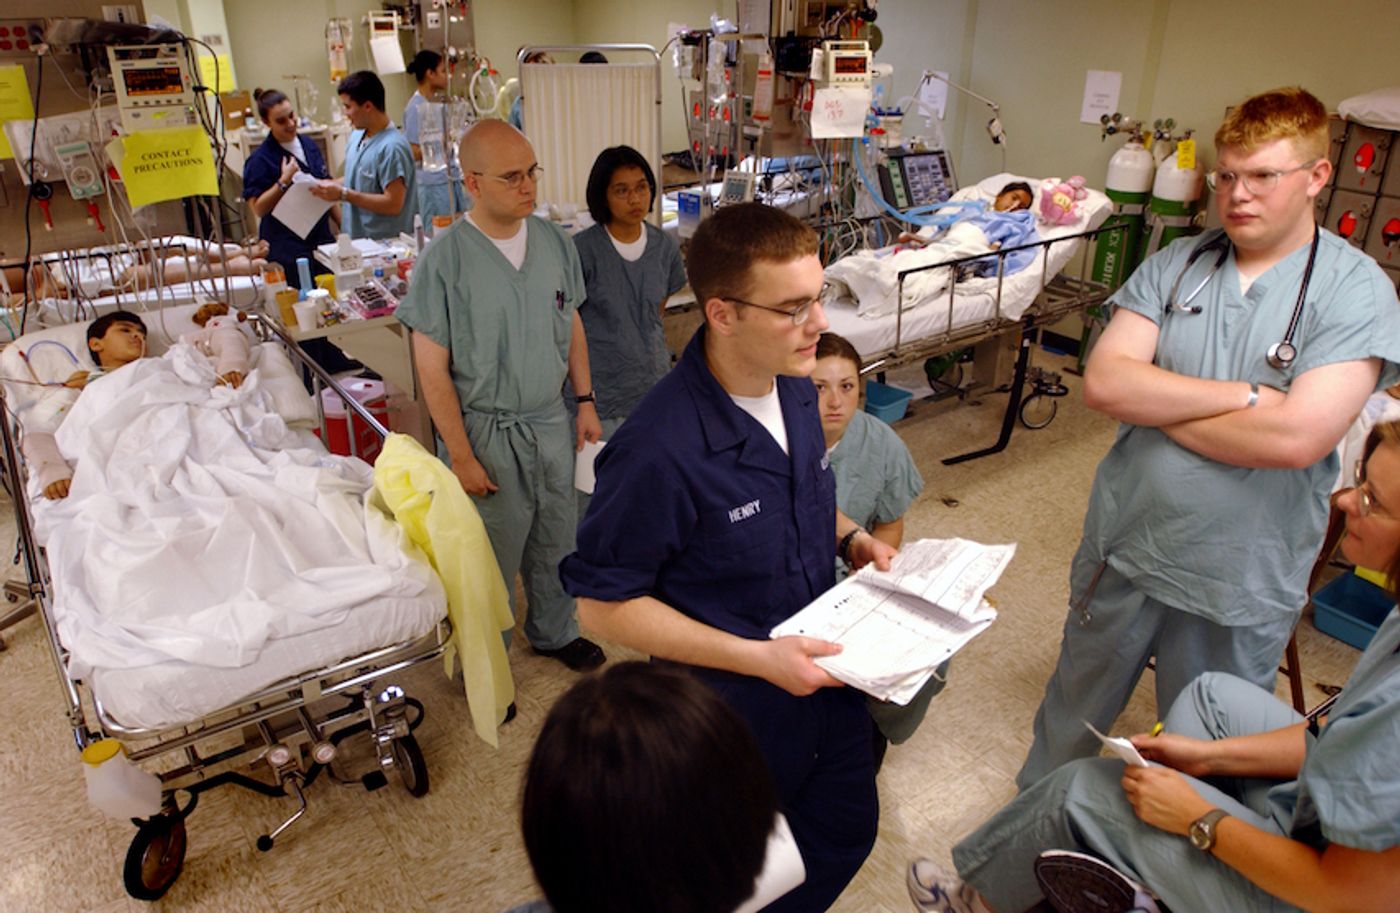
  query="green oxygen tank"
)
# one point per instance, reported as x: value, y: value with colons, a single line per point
x: 1129, y: 185
x: 1176, y: 199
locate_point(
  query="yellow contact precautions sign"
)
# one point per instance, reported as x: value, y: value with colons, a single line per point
x: 158, y: 165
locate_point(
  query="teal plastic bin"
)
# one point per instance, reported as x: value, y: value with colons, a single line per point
x: 1351, y: 609
x: 886, y: 403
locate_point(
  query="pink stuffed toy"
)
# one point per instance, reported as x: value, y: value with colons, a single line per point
x: 1059, y: 200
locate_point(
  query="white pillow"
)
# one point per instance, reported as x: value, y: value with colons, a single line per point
x: 1377, y: 108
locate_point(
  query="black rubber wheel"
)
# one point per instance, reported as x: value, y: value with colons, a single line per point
x: 1038, y: 410
x: 413, y: 770
x: 155, y: 858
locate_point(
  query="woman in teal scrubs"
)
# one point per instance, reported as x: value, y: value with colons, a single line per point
x: 876, y: 481
x: 630, y: 268
x: 440, y: 190
x: 1247, y: 807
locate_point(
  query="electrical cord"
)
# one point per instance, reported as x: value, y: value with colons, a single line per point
x: 29, y: 197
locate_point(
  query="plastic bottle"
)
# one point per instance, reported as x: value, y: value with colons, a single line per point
x: 115, y: 786
x: 303, y: 276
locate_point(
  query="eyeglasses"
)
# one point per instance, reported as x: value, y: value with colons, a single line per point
x: 1258, y: 183
x: 513, y: 179
x: 1365, y: 501
x: 798, y: 315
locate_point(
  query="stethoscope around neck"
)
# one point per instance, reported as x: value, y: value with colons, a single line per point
x: 1281, y: 354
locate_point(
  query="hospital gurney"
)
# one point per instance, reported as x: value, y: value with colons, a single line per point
x: 966, y: 312
x: 276, y: 710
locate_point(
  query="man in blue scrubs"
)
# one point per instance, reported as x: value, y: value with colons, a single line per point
x: 1208, y: 512
x: 496, y: 331
x: 377, y: 194
x: 714, y: 519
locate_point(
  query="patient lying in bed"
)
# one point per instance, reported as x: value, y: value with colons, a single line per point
x: 872, y: 276
x: 114, y: 341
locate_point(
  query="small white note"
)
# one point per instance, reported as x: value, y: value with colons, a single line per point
x: 1121, y: 748
x: 838, y: 112
x: 584, y: 479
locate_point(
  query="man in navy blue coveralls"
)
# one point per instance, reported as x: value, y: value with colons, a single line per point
x: 714, y: 519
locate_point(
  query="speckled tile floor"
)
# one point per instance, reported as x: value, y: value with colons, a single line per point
x: 458, y: 848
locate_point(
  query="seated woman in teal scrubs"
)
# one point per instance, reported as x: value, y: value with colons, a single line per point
x: 876, y: 481
x: 1247, y: 808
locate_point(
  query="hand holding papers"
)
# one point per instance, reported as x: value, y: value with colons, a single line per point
x: 897, y: 626
x: 298, y: 209
x: 1120, y: 748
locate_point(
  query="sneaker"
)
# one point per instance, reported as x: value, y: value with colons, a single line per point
x: 1079, y: 883
x: 580, y: 654
x: 933, y: 889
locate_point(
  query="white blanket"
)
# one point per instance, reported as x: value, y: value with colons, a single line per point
x: 871, y: 277
x: 199, y: 527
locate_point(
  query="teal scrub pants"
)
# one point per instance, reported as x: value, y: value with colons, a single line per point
x: 1101, y: 661
x: 531, y: 518
x: 1081, y: 806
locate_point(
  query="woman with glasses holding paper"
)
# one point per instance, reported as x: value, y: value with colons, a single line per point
x: 268, y: 175
x: 1246, y: 806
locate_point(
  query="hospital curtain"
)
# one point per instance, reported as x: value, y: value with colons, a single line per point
x: 574, y: 111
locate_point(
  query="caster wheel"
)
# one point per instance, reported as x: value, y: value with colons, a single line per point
x: 1038, y: 410
x: 413, y: 770
x: 156, y: 855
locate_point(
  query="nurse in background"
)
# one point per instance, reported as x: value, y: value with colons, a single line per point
x: 377, y: 192
x: 876, y: 481
x: 440, y: 193
x: 267, y: 175
x: 630, y: 268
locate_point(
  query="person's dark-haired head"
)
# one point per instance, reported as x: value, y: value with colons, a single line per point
x: 423, y: 63
x: 268, y: 99
x: 116, y: 339
x: 729, y: 243
x: 831, y: 345
x: 592, y: 57
x: 362, y: 87
x: 646, y: 792
x: 276, y: 111
x: 605, y: 170
x: 1014, y: 196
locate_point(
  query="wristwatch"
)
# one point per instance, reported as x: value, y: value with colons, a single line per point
x: 285, y: 187
x: 844, y: 548
x: 1253, y: 396
x: 586, y: 398
x: 344, y: 193
x: 1202, y: 831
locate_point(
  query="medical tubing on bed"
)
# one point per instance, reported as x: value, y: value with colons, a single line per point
x: 916, y: 215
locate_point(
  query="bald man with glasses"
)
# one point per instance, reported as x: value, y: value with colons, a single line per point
x: 493, y: 310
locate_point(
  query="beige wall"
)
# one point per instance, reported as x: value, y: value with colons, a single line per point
x: 1182, y: 58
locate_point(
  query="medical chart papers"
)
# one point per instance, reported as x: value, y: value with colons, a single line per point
x: 897, y: 626
x: 1120, y: 748
x: 298, y: 209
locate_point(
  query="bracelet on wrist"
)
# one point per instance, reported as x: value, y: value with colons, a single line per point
x: 843, y: 550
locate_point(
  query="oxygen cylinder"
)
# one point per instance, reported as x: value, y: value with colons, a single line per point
x: 1129, y: 183
x: 1176, y: 198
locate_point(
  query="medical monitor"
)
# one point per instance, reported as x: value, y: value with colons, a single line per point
x: 913, y: 179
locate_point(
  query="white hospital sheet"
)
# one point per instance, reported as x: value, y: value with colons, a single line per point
x: 200, y: 529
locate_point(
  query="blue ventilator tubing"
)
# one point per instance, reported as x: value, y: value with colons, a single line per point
x: 303, y: 277
x: 946, y: 213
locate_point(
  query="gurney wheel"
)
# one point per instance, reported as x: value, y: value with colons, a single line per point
x: 413, y: 770
x: 1038, y: 410
x: 156, y: 855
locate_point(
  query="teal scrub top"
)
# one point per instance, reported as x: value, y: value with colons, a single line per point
x: 876, y: 479
x: 412, y: 129
x: 372, y: 164
x: 507, y: 330
x: 1234, y: 545
x: 622, y: 315
x: 1348, y: 790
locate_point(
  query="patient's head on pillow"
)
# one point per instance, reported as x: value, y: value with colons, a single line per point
x: 646, y: 792
x: 1014, y: 197
x: 116, y: 339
